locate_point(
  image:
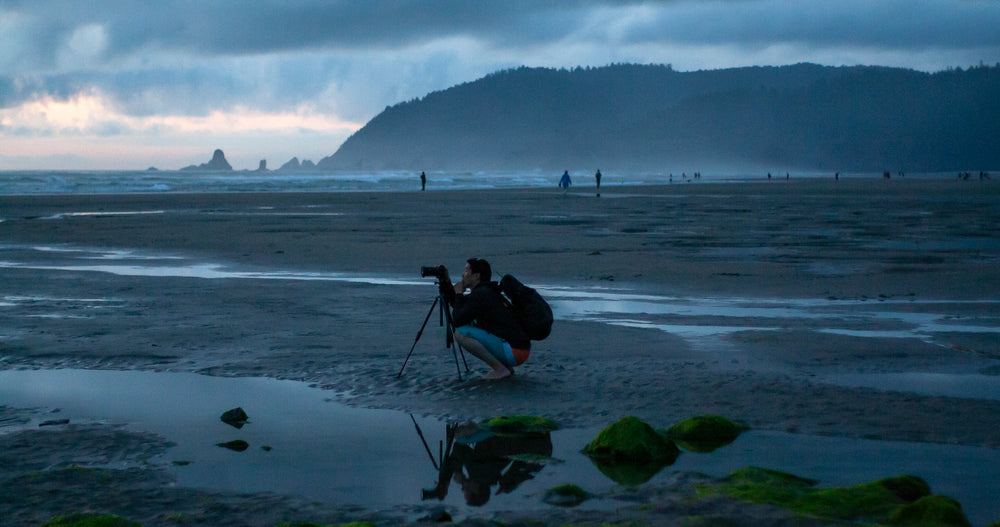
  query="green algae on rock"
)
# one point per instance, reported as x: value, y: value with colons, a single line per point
x: 566, y: 495
x: 520, y: 424
x: 631, y: 440
x: 704, y: 433
x: 931, y: 511
x: 630, y: 452
x: 90, y: 520
x: 881, y: 501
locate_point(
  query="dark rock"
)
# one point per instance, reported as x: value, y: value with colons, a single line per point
x: 235, y: 417
x: 218, y: 163
x: 262, y: 167
x: 291, y: 165
x: 237, y: 445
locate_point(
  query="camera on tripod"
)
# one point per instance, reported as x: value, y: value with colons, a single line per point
x: 446, y: 297
x: 436, y: 271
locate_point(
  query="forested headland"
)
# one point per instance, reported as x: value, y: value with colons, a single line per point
x: 651, y: 117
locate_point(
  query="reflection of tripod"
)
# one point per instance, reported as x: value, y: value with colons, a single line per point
x: 445, y: 320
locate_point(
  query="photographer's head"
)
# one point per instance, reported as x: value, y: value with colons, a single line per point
x: 477, y: 270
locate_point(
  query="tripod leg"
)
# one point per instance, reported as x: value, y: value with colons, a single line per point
x: 450, y: 331
x: 419, y: 333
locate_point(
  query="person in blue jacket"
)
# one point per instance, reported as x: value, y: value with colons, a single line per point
x: 565, y: 182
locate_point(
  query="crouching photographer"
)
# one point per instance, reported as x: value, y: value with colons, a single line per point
x: 485, y: 325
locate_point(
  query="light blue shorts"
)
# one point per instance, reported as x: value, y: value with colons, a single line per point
x: 497, y: 346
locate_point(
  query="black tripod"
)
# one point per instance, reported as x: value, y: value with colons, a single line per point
x: 445, y: 320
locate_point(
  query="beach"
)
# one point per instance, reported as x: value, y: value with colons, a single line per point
x: 796, y: 298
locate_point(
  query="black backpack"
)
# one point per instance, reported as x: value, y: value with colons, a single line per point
x: 530, y: 309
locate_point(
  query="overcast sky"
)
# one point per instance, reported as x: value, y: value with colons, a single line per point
x: 92, y: 84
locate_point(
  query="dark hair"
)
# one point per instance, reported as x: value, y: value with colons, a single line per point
x: 482, y: 268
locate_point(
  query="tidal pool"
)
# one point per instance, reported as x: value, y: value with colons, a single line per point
x: 303, y: 441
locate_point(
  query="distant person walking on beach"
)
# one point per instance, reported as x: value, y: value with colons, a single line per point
x: 597, y: 176
x: 423, y: 181
x: 565, y: 182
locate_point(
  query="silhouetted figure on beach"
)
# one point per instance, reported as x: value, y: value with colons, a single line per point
x: 597, y: 176
x: 836, y: 177
x: 769, y: 176
x: 564, y: 181
x: 423, y: 181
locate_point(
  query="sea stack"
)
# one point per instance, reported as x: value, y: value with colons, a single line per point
x: 218, y: 163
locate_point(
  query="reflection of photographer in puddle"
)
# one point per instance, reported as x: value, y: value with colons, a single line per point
x: 478, y: 460
x: 485, y: 325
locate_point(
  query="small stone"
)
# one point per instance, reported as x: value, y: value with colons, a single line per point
x: 237, y: 445
x: 235, y: 417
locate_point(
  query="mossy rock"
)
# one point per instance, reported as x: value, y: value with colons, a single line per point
x: 630, y: 440
x: 90, y: 520
x: 931, y: 511
x: 908, y: 488
x: 520, y: 424
x: 874, y: 501
x: 760, y: 485
x: 764, y: 475
x: 567, y: 495
x: 704, y: 433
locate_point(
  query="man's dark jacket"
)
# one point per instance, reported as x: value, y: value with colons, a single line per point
x: 485, y: 305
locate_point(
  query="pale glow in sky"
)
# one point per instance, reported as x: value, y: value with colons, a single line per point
x: 126, y: 84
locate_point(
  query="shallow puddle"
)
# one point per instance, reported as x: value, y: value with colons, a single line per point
x: 962, y: 385
x: 302, y: 442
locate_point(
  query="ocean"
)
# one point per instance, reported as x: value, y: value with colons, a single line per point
x: 25, y: 182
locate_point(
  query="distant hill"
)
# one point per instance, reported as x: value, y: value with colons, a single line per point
x: 634, y: 117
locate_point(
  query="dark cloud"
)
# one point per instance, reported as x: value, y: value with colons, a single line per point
x: 240, y: 28
x: 195, y: 56
x: 891, y: 24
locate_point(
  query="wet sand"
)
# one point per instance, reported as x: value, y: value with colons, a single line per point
x: 910, y: 243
